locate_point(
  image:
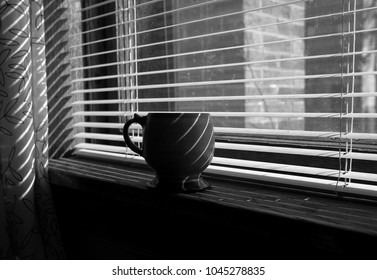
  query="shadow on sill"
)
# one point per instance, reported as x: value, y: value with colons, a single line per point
x: 105, y: 212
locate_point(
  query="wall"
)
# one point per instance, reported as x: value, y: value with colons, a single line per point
x: 58, y: 16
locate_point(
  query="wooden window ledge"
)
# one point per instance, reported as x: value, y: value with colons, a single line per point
x: 241, y: 204
x: 348, y: 213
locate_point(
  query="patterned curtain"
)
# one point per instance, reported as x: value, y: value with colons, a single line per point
x: 28, y: 225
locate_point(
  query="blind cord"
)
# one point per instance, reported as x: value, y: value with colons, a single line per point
x: 341, y: 110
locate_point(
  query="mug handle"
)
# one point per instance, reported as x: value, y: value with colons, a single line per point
x: 136, y: 119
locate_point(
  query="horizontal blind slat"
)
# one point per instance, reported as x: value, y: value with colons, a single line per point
x: 360, y: 176
x: 101, y: 136
x: 105, y: 148
x: 219, y: 145
x: 241, y: 114
x: 274, y: 167
x: 227, y: 98
x: 361, y: 156
x: 255, y: 132
x: 234, y: 130
x: 239, y: 147
x: 99, y: 125
x: 358, y: 136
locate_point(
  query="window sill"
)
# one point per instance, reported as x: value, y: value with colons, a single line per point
x: 324, y: 209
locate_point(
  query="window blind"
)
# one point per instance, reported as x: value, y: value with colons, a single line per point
x: 291, y: 85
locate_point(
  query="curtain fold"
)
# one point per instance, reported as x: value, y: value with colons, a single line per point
x: 29, y: 229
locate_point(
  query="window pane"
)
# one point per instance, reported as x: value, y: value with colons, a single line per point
x: 273, y: 74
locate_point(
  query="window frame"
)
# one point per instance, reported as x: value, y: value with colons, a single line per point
x: 288, y: 142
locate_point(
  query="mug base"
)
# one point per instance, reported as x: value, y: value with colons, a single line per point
x: 187, y: 185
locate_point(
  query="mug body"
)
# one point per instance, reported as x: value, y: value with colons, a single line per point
x: 178, y: 146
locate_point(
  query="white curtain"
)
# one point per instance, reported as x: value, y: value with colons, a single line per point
x: 28, y: 225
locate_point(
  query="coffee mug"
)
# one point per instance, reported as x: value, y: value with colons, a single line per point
x: 177, y: 146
